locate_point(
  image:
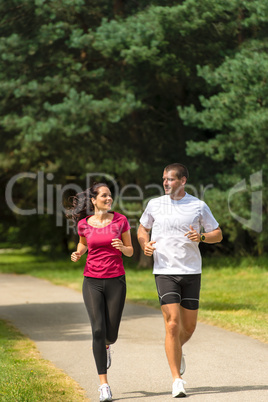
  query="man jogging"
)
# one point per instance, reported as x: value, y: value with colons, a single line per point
x: 179, y: 222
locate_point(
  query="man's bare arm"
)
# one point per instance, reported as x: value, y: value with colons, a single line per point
x: 144, y: 240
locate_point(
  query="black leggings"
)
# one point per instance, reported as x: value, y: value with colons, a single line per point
x: 104, y: 300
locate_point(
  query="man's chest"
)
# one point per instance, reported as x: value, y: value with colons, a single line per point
x: 176, y: 219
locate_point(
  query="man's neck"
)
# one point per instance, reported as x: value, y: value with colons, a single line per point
x: 177, y: 197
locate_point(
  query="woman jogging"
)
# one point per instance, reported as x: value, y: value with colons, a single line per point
x: 105, y: 235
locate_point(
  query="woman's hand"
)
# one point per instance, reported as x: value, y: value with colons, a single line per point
x: 75, y: 256
x: 118, y: 244
x: 124, y: 245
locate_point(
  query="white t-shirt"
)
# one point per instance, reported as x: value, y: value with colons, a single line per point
x: 169, y: 220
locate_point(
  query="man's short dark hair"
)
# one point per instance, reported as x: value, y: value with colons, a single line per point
x: 181, y: 170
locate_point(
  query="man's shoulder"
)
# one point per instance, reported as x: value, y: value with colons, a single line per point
x: 163, y: 199
x: 192, y: 199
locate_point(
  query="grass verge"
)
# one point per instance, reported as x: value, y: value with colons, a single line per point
x: 25, y: 376
x: 233, y: 296
x: 233, y: 292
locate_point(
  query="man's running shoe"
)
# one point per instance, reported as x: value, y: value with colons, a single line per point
x: 183, y: 365
x: 105, y: 393
x: 109, y: 358
x: 178, y: 390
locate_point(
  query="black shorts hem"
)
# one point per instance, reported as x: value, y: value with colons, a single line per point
x: 179, y: 289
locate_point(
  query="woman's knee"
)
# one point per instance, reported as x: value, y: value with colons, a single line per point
x: 97, y: 334
x: 111, y: 338
x: 110, y: 341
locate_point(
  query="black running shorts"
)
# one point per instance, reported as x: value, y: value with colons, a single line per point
x: 182, y: 289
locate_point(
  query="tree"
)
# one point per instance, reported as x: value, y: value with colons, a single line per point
x: 57, y: 112
x: 225, y: 37
x: 234, y: 122
x: 91, y: 85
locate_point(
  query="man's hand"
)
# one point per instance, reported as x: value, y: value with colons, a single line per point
x: 193, y: 235
x: 149, y: 249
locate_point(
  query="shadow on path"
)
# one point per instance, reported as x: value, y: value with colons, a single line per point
x: 61, y: 321
x: 225, y: 389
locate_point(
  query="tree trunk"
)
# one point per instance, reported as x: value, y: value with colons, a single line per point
x: 118, y: 7
x: 145, y: 262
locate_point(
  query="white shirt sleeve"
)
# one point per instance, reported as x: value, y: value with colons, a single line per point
x: 147, y: 219
x: 208, y: 221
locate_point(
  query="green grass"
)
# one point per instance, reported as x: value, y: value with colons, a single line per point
x: 233, y: 296
x: 236, y: 299
x: 233, y: 293
x: 60, y: 271
x: 25, y: 376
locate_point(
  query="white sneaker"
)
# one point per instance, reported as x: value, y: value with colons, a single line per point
x: 109, y: 358
x: 105, y: 393
x: 183, y: 365
x: 178, y: 390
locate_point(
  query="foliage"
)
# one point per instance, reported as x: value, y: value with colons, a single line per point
x: 94, y: 86
x: 237, y: 115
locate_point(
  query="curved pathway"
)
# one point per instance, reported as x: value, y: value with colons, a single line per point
x: 221, y: 365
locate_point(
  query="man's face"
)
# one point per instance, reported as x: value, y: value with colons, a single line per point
x: 172, y: 185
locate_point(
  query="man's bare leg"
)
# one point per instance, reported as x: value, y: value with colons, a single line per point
x: 180, y: 324
x: 188, y: 320
x: 171, y: 314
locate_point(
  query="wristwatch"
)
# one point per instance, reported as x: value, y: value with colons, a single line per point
x: 202, y: 237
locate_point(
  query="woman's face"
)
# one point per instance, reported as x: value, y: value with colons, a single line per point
x: 103, y: 201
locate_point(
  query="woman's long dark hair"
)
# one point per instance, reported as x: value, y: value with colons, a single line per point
x: 82, y: 204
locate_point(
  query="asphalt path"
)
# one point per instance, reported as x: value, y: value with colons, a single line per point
x: 220, y: 365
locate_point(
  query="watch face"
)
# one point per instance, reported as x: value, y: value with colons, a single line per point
x: 203, y: 237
